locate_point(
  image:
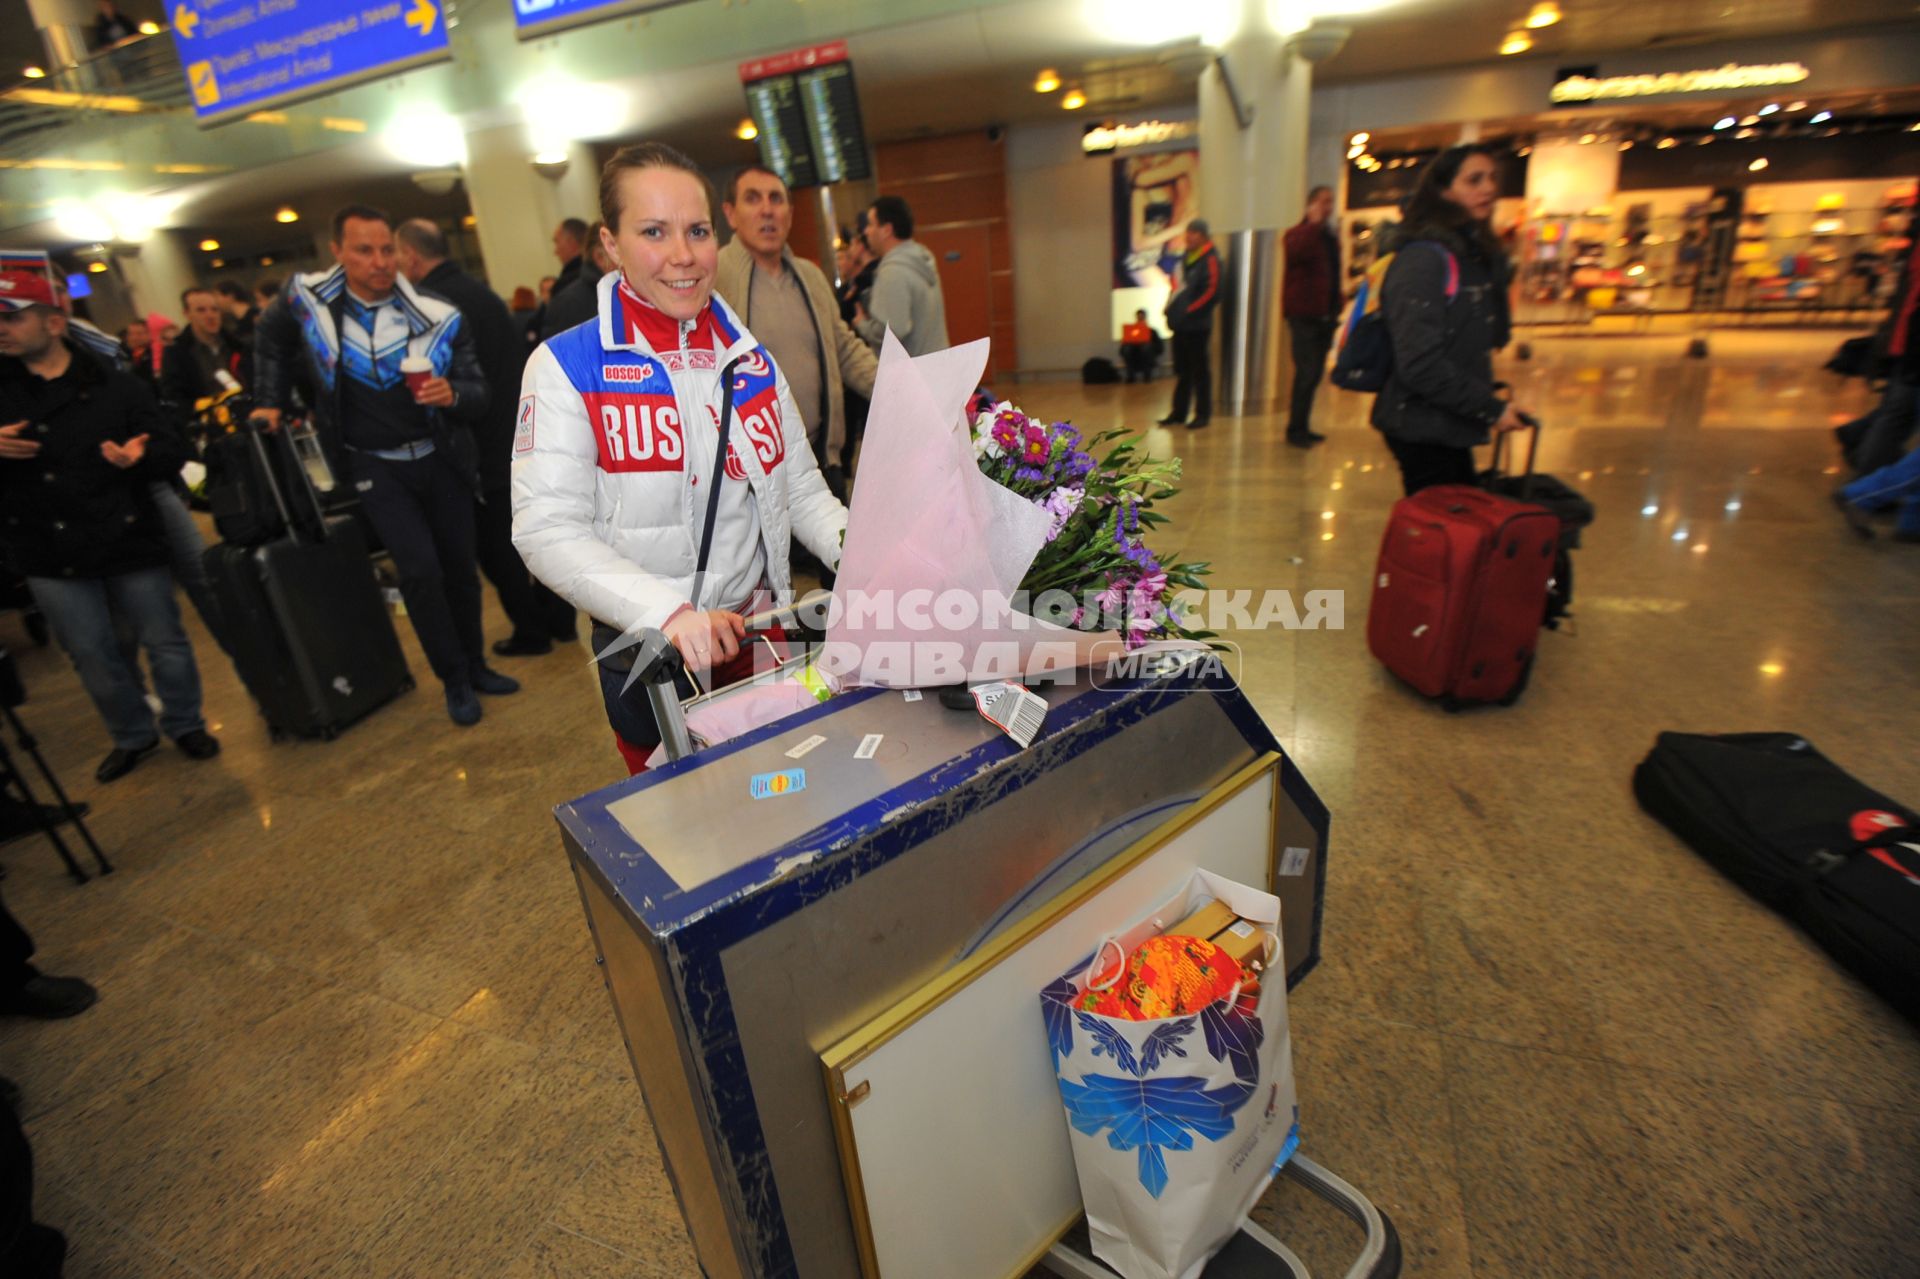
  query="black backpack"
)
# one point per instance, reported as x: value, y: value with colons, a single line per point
x: 1365, y: 360
x: 1099, y: 371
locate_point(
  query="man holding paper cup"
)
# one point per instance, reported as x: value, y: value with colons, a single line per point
x: 397, y: 392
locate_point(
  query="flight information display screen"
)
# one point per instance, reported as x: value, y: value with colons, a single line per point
x: 807, y: 110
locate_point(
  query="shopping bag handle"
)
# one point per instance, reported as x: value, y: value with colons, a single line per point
x: 1090, y: 982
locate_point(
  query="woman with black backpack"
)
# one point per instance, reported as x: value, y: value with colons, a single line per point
x: 1445, y: 300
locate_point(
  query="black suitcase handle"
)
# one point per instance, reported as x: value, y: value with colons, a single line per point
x: 1500, y: 450
x: 258, y: 429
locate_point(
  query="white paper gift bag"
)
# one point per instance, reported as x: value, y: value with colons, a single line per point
x: 1178, y: 1124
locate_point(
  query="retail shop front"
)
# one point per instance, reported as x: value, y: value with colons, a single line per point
x: 1756, y: 183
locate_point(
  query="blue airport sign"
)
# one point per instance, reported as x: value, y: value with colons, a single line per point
x: 242, y: 55
x: 533, y: 18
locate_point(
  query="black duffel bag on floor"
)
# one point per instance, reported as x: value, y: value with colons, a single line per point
x: 1806, y: 838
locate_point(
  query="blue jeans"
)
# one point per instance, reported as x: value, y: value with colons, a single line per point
x: 81, y: 611
x: 1899, y: 483
x: 188, y: 552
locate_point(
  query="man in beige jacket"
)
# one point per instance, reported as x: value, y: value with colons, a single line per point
x: 789, y: 305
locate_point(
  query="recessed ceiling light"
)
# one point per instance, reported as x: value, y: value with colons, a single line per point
x: 149, y: 28
x: 1073, y: 100
x: 1750, y: 120
x: 1047, y: 81
x: 286, y: 215
x: 1757, y: 165
x: 218, y: 263
x: 1796, y: 106
x: 746, y: 130
x: 1544, y: 14
x: 209, y: 246
x: 1744, y: 133
x: 1516, y: 42
x: 1821, y: 118
x: 1360, y: 139
x: 96, y: 267
x: 35, y: 73
x: 1666, y: 144
x: 1769, y: 109
x: 1725, y: 122
x: 1587, y: 138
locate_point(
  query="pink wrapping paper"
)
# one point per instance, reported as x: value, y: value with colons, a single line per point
x: 934, y: 548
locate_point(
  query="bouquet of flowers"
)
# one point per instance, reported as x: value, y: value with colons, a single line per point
x: 1099, y: 494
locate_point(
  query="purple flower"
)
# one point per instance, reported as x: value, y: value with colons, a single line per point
x: 1061, y: 504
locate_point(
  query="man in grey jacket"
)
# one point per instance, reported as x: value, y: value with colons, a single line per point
x: 906, y: 288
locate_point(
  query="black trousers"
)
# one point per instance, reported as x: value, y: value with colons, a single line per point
x: 16, y: 948
x: 1312, y: 339
x: 1138, y: 358
x: 423, y: 511
x: 1425, y: 465
x: 535, y: 611
x: 1195, y: 376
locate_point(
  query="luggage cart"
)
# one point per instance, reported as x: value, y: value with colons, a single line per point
x: 1253, y: 1253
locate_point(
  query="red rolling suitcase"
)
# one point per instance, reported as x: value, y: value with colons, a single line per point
x: 1461, y: 592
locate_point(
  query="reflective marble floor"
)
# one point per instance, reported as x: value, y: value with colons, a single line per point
x: 350, y: 1025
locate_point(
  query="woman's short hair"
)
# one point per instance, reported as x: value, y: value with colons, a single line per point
x: 643, y: 155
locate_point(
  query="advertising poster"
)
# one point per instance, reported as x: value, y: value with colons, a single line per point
x: 1154, y: 197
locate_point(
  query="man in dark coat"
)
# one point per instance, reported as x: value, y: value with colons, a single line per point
x: 81, y: 445
x: 1310, y: 300
x: 1190, y: 317
x: 538, y: 615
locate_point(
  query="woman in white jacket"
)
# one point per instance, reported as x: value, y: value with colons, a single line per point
x: 616, y: 505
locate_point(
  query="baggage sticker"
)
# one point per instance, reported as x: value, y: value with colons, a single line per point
x: 1294, y: 861
x: 868, y: 745
x: 800, y: 750
x: 786, y: 782
x: 1012, y: 709
x: 523, y: 427
x: 910, y: 695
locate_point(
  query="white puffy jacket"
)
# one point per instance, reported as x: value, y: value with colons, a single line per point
x: 604, y: 503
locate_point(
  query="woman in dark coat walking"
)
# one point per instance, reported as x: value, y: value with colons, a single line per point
x: 1445, y: 297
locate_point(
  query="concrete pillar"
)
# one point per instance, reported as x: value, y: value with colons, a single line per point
x: 1253, y: 185
x: 62, y: 25
x: 516, y: 209
x: 159, y: 272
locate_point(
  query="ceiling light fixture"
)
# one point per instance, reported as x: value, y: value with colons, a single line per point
x: 1750, y: 120
x: 1725, y: 122
x: 96, y: 267
x: 1047, y: 81
x: 1073, y: 100
x: 1757, y: 165
x: 35, y: 73
x: 209, y: 246
x: 1769, y: 109
x: 1587, y: 139
x: 1796, y: 106
x: 1821, y: 118
x: 1627, y: 145
x: 1667, y: 144
x: 286, y: 215
x: 1544, y: 14
x: 1360, y: 139
x: 1744, y: 133
x: 149, y: 28
x: 217, y: 263
x: 1516, y: 42
x: 267, y: 260
x: 746, y: 130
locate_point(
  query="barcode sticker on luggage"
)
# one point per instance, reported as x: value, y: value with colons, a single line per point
x: 868, y: 745
x: 1242, y: 928
x: 1294, y: 861
x: 910, y: 695
x: 1016, y: 711
x: 1383, y: 581
x: 805, y: 746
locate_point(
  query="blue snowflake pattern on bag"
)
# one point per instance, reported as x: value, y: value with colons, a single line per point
x: 1152, y: 1116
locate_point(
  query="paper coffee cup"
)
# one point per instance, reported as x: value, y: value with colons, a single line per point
x: 416, y: 370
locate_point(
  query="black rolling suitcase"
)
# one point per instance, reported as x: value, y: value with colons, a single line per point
x: 312, y: 637
x: 1806, y: 838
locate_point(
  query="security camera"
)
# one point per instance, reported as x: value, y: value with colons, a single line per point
x: 1320, y: 42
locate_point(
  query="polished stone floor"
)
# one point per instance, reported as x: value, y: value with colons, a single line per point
x: 350, y: 1024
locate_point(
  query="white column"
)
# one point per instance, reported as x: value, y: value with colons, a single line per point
x: 1253, y: 185
x: 62, y: 26
x: 159, y: 272
x: 515, y: 209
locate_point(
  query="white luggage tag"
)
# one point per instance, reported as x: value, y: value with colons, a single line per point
x: 1016, y: 711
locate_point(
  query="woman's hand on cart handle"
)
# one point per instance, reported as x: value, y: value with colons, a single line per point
x: 706, y: 639
x: 266, y: 419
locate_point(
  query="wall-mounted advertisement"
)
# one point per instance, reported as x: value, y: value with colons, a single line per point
x: 1154, y: 197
